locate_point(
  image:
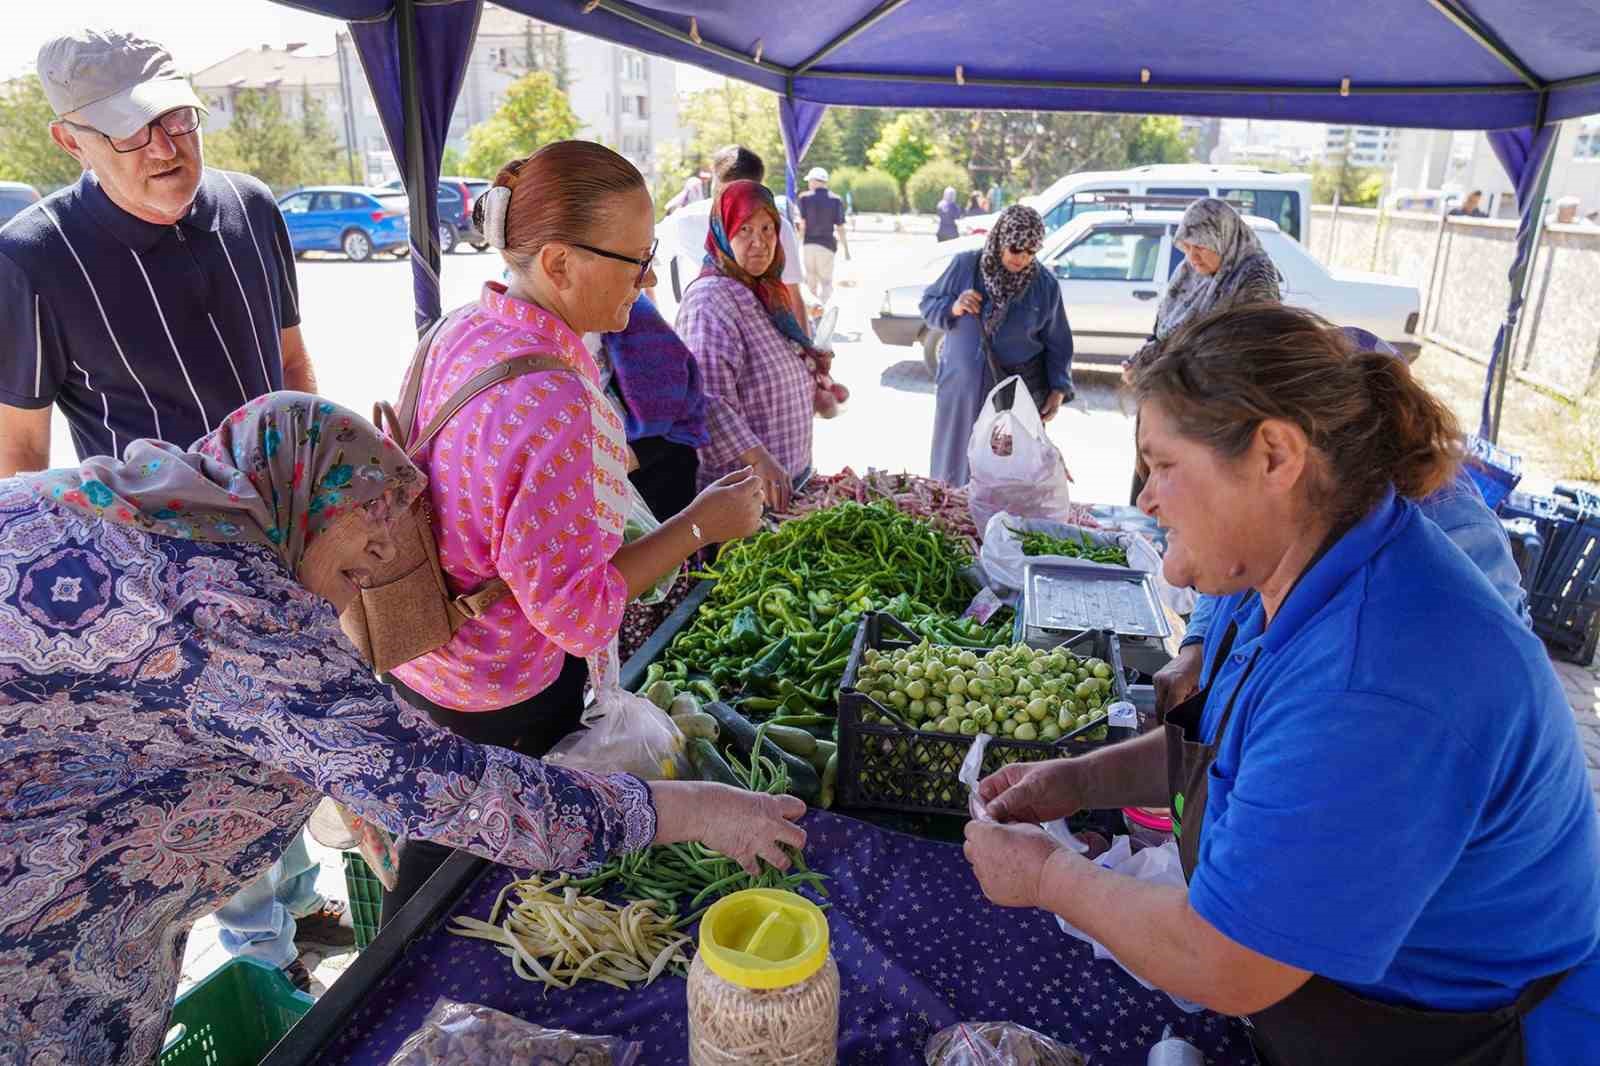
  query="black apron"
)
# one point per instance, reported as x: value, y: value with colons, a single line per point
x: 1322, y: 1023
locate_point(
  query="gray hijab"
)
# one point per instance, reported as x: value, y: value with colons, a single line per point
x: 1246, y: 268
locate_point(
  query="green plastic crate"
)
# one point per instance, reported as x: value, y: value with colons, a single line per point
x: 233, y: 1017
x: 366, y: 897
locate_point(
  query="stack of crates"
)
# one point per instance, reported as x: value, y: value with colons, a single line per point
x: 1564, y: 595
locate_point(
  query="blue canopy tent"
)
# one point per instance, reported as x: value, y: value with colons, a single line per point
x: 1514, y: 66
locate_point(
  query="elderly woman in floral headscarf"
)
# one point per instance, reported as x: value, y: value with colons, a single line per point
x: 764, y: 379
x: 1224, y: 266
x: 1001, y: 314
x: 176, y: 696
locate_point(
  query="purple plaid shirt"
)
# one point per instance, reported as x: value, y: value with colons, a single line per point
x: 758, y: 388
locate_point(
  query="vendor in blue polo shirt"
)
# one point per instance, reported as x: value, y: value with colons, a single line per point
x: 1381, y: 804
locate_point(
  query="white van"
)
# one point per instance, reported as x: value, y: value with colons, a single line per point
x: 1283, y: 198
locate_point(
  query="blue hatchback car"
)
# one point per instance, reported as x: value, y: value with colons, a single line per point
x: 348, y: 219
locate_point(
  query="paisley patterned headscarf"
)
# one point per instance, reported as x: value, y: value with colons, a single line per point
x: 278, y: 471
x: 1019, y: 226
x: 736, y: 203
x: 1246, y: 266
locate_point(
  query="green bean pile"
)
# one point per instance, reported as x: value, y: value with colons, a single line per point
x: 1035, y: 544
x: 670, y: 873
x: 780, y: 622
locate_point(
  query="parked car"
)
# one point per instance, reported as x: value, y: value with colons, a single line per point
x: 456, y: 197
x: 1284, y: 198
x: 348, y: 219
x: 14, y: 196
x: 1113, y: 268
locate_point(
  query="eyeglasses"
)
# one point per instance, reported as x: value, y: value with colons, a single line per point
x: 179, y: 122
x: 642, y: 264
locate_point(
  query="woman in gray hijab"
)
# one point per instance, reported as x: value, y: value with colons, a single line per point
x: 1224, y: 266
x: 1001, y: 314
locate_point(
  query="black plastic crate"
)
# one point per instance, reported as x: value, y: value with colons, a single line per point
x: 899, y: 767
x: 1565, y: 600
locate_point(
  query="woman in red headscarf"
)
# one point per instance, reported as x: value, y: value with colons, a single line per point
x: 764, y: 380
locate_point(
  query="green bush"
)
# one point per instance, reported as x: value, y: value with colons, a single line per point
x: 843, y: 179
x: 876, y: 192
x: 926, y: 187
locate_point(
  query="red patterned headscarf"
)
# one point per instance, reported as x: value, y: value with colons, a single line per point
x: 736, y: 204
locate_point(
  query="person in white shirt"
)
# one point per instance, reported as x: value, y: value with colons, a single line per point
x: 683, y: 232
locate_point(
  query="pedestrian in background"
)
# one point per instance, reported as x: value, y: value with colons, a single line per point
x: 949, y: 210
x: 1471, y: 207
x: 822, y: 232
x: 976, y: 205
x: 149, y: 299
x: 997, y: 197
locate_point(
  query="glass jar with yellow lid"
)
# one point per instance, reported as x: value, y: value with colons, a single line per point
x: 763, y: 989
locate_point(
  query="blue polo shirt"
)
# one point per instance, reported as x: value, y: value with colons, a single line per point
x: 1400, y: 802
x: 139, y: 330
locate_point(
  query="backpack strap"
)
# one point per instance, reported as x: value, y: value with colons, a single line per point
x: 483, y: 379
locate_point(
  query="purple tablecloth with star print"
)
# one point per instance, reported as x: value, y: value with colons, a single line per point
x: 918, y: 948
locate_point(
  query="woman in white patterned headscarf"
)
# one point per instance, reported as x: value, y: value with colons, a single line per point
x: 1001, y: 315
x: 1224, y: 266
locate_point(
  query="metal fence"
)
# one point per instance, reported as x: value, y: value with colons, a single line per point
x: 1460, y: 266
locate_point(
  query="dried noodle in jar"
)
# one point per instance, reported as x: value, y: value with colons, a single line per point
x: 763, y: 989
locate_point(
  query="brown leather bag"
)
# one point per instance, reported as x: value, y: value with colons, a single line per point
x: 408, y: 609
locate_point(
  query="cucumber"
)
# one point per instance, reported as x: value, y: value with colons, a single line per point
x: 709, y: 765
x: 741, y: 734
x: 820, y: 757
x: 794, y: 741
x: 830, y: 777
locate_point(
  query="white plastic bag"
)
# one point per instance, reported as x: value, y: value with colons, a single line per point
x: 641, y: 522
x: 1158, y: 866
x: 623, y: 733
x: 467, y: 1032
x: 1014, y: 466
x: 971, y: 773
x: 1002, y: 561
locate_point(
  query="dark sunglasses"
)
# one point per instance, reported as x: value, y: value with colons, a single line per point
x: 179, y: 122
x: 1023, y: 251
x: 642, y: 264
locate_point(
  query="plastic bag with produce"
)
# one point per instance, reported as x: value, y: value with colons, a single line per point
x: 998, y: 1044
x: 623, y: 733
x: 1008, y: 540
x: 1014, y: 465
x: 466, y: 1032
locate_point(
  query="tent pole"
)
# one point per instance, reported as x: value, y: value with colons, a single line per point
x: 1487, y: 40
x: 872, y: 18
x: 1519, y: 290
x: 424, y: 239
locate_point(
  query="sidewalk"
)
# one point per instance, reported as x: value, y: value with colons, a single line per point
x: 1583, y: 692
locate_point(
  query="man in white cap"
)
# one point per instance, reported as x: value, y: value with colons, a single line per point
x: 1567, y: 213
x: 822, y: 231
x: 150, y: 299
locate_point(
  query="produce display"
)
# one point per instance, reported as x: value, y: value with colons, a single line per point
x: 674, y: 873
x: 776, y: 631
x: 557, y: 936
x: 1036, y: 544
x: 1014, y: 691
x: 945, y: 506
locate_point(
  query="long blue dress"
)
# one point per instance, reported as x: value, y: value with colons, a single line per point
x: 1035, y: 324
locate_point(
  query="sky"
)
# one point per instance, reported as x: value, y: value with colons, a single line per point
x: 193, y: 30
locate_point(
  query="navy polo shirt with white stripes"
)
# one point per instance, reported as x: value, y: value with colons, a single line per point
x: 140, y: 330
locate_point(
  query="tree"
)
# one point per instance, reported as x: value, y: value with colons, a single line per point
x: 451, y: 163
x: 1354, y: 186
x: 902, y: 148
x: 325, y: 161
x: 263, y: 141
x: 926, y: 187
x: 858, y: 129
x: 1160, y: 139
x: 535, y: 113
x: 27, y: 152
x: 733, y: 113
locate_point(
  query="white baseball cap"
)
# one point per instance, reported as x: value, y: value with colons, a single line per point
x: 116, y: 82
x: 817, y: 174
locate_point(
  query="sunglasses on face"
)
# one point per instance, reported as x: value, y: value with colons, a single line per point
x: 176, y: 123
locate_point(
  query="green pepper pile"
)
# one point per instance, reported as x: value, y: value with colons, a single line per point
x: 693, y: 876
x: 778, y: 626
x: 1035, y: 544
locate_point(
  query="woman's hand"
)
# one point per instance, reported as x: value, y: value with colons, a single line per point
x: 968, y: 303
x: 774, y: 479
x: 1034, y: 792
x: 1010, y: 861
x: 1052, y: 404
x: 745, y: 826
x: 730, y: 507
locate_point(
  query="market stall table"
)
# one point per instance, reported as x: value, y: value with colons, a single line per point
x: 918, y: 948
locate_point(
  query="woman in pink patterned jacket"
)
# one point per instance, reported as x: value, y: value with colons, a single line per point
x: 529, y: 480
